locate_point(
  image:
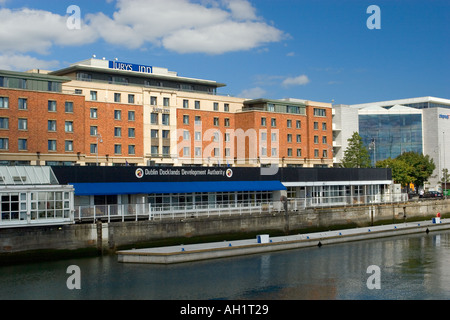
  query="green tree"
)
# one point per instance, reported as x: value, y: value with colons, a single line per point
x: 356, y: 155
x: 401, y: 170
x: 423, y: 166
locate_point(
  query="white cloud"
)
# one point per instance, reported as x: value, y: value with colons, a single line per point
x: 296, y: 81
x: 185, y: 26
x: 21, y: 62
x: 253, y: 93
x: 28, y: 30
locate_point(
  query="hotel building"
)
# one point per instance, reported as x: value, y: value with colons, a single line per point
x: 100, y: 112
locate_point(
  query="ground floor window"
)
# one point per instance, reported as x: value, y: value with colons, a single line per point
x: 208, y: 199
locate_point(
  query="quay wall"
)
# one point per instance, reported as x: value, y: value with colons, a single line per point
x: 108, y: 237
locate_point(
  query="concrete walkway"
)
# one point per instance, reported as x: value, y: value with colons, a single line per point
x: 214, y: 250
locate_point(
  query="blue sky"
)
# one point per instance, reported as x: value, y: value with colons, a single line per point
x: 317, y: 50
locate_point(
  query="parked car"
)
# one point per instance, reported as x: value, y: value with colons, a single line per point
x: 433, y: 194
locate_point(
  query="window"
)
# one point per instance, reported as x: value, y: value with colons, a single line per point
x: 131, y: 98
x: 93, y: 148
x: 289, y: 123
x: 154, y: 150
x: 289, y: 137
x: 131, y: 133
x: 118, y: 149
x: 186, y: 151
x: 78, y: 91
x: 166, y: 151
x: 274, y: 152
x: 316, y: 126
x: 4, y: 102
x: 51, y: 125
x: 198, y: 151
x: 216, y: 152
x: 273, y: 137
x: 324, y: 126
x: 4, y: 123
x: 166, y: 102
x: 117, y: 132
x: 324, y: 139
x: 185, y: 104
x: 23, y: 104
x: 198, y: 136
x: 185, y: 119
x: 216, y: 106
x: 131, y: 149
x: 166, y: 134
x: 3, y: 82
x: 93, y: 130
x: 4, y: 143
x: 226, y: 107
x: 299, y: 138
x: 117, y: 114
x: 93, y: 113
x: 165, y: 119
x: 324, y: 154
x: 316, y: 139
x: 84, y: 76
x: 198, y: 120
x: 52, y: 86
x: 320, y: 112
x: 227, y: 152
x: 154, y: 118
x: 263, y: 121
x: 197, y: 104
x: 216, y: 121
x: 94, y: 95
x: 263, y: 151
x: 154, y: 134
x: 23, y: 144
x: 263, y: 136
x: 289, y: 152
x: 227, y: 137
x: 52, y: 106
x: 227, y: 122
x: 23, y: 124
x: 68, y: 126
x: 316, y: 153
x: 51, y: 145
x: 131, y: 116
x: 299, y: 152
x: 273, y: 122
x: 68, y: 145
x: 298, y: 124
x: 153, y: 101
x: 68, y: 107
x: 186, y: 135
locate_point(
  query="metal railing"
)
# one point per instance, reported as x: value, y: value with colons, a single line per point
x: 147, y: 211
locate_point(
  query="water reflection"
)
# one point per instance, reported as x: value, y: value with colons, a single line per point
x: 413, y: 267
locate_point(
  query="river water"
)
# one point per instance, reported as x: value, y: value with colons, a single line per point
x: 410, y: 267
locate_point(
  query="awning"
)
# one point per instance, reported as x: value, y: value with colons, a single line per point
x: 112, y: 188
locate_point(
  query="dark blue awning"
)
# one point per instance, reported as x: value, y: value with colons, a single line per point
x: 112, y: 188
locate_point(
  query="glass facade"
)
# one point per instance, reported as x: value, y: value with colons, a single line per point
x: 389, y: 135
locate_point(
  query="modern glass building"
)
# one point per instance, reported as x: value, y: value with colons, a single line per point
x: 390, y: 132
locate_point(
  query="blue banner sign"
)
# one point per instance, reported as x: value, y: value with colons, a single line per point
x: 116, y: 65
